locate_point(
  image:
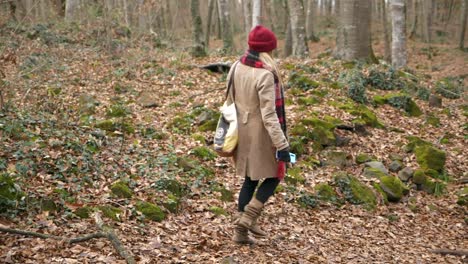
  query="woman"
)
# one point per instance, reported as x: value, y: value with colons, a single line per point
x: 258, y: 95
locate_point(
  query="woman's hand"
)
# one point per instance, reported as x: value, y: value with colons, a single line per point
x: 283, y: 155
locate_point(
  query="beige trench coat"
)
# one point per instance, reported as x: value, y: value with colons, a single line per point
x: 260, y: 134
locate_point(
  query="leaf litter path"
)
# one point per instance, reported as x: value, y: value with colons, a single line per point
x: 350, y: 234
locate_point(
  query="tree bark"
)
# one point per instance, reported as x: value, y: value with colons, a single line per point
x: 353, y: 39
x: 428, y: 14
x: 387, y: 50
x: 414, y: 25
x: 464, y: 14
x: 288, y: 41
x: 247, y: 10
x: 256, y: 13
x: 399, y: 56
x: 223, y: 10
x: 198, y: 49
x: 297, y: 17
x: 311, y: 4
x: 211, y: 5
x: 71, y: 9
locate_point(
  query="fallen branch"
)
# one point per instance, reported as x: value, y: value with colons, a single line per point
x: 46, y: 236
x: 110, y: 234
x: 443, y: 251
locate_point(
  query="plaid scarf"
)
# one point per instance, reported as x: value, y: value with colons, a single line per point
x: 252, y: 58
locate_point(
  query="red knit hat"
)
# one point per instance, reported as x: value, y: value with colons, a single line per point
x: 262, y: 39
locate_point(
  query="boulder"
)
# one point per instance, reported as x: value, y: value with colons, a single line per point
x: 151, y: 211
x: 338, y: 158
x: 395, y: 166
x: 377, y: 165
x: 429, y: 157
x: 435, y: 101
x: 405, y: 174
x: 373, y: 173
x: 355, y: 191
x: 393, y: 188
x: 121, y: 190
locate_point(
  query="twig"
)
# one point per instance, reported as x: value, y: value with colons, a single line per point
x: 443, y: 251
x: 45, y: 236
x: 110, y: 234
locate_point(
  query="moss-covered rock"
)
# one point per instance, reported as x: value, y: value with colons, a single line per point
x: 355, y: 191
x: 121, y: 190
x: 395, y: 166
x: 218, y: 210
x: 9, y: 192
x: 111, y: 126
x: 419, y: 177
x: 111, y: 212
x: 181, y: 123
x: 83, y: 212
x: 365, y: 116
x: 151, y: 211
x: 338, y: 158
x: 48, y: 205
x: 433, y: 120
x: 186, y: 163
x: 429, y: 157
x: 326, y: 193
x: 462, y: 197
x: 299, y: 80
x: 296, y: 146
x: 172, y: 203
x: 307, y: 200
x: 373, y: 173
x: 307, y: 101
x: 363, y: 158
x: 204, y: 153
x: 170, y: 185
x: 379, y: 100
x: 403, y: 101
x: 294, y: 176
x: 449, y: 87
x: 393, y: 188
x: 226, y: 195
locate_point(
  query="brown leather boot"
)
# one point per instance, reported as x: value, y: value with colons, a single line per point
x: 241, y: 235
x: 255, y: 229
x: 251, y: 214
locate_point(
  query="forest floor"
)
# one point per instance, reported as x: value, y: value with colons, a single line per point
x: 61, y: 83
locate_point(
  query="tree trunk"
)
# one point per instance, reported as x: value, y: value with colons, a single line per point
x: 297, y: 17
x: 399, y: 56
x: 311, y: 4
x: 71, y: 10
x: 428, y: 14
x: 223, y: 10
x: 387, y: 51
x: 247, y: 10
x: 337, y: 7
x: 353, y: 39
x: 464, y: 14
x: 414, y: 25
x: 211, y: 5
x: 198, y: 48
x: 288, y: 47
x: 449, y: 15
x: 167, y: 16
x: 256, y: 13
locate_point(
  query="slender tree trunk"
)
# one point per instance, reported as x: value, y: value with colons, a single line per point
x: 387, y: 50
x: 167, y: 16
x: 247, y: 10
x: 288, y: 47
x: 256, y: 13
x: 211, y: 5
x: 270, y: 15
x: 429, y: 8
x: 198, y: 48
x: 311, y: 4
x: 399, y: 56
x: 464, y: 14
x: 414, y: 25
x: 228, y: 42
x: 449, y: 15
x: 298, y: 31
x: 71, y: 9
x: 337, y: 7
x: 353, y: 39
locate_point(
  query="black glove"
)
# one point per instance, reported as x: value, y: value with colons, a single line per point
x: 283, y: 155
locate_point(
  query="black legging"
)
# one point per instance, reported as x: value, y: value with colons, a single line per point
x: 266, y: 189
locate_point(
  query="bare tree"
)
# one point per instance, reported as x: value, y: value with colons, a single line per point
x: 414, y: 24
x: 223, y: 11
x: 297, y: 17
x: 353, y: 40
x: 71, y: 9
x: 387, y: 50
x: 247, y: 10
x: 311, y: 5
x: 211, y: 5
x: 428, y: 6
x: 464, y: 14
x: 399, y: 56
x: 256, y: 13
x: 198, y: 48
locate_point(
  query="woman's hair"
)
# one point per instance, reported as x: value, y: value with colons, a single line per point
x: 270, y: 63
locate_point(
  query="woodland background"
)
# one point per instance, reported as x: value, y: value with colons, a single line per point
x: 107, y: 112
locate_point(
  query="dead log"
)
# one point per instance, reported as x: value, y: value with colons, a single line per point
x: 220, y: 67
x: 46, y: 236
x: 443, y: 251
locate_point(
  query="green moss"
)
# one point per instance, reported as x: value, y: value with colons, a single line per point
x: 218, y: 210
x: 186, y: 163
x: 433, y: 120
x: 181, y: 123
x: 363, y: 158
x: 462, y: 197
x: 111, y: 212
x: 338, y: 158
x: 170, y: 185
x: 107, y: 125
x: 381, y: 192
x: 308, y: 100
x: 320, y: 92
x: 296, y: 146
x: 415, y: 142
x: 151, y: 211
x: 204, y: 153
x: 298, y: 80
x: 200, y: 138
x: 307, y: 200
x: 363, y: 114
x: 393, y: 187
x: 355, y: 191
x: 403, y: 101
x: 326, y: 193
x: 379, y: 100
x: 294, y: 176
x: 226, y: 195
x: 83, y: 212
x: 299, y: 130
x: 121, y: 190
x: 429, y: 186
x: 449, y: 87
x: 9, y: 192
x: 117, y: 110
x: 172, y: 203
x: 48, y: 205
x: 374, y: 173
x: 419, y: 177
x: 430, y: 157
x: 432, y: 173
x: 111, y: 126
